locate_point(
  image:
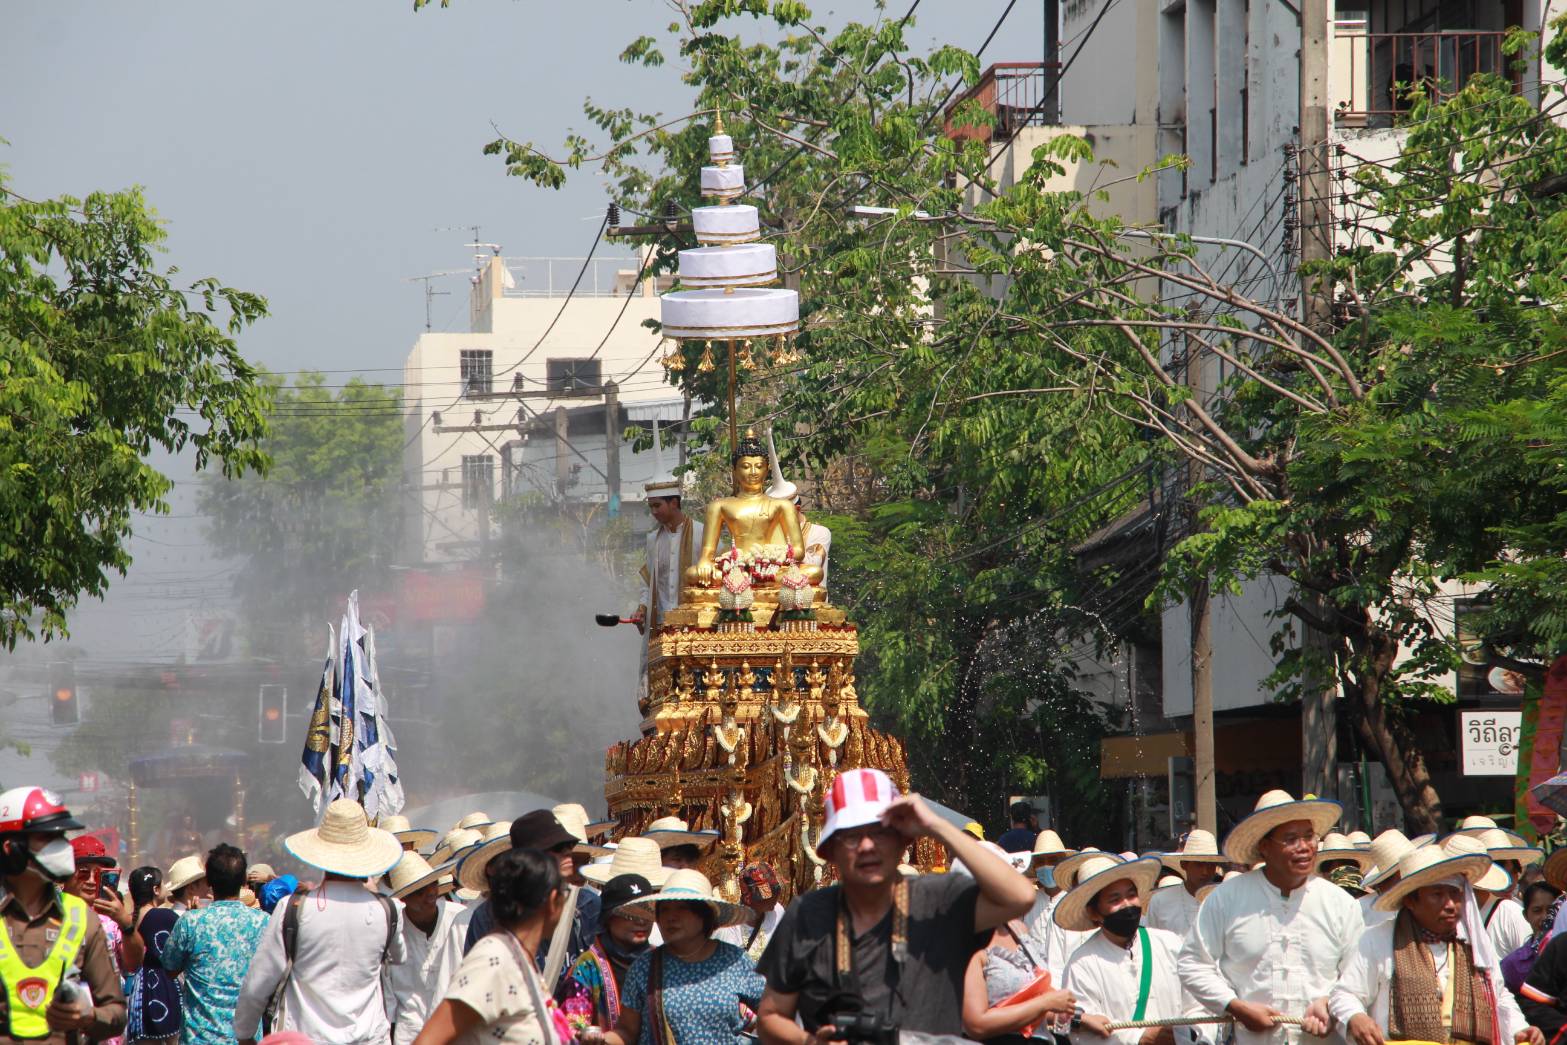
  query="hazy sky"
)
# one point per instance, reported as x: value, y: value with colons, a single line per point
x: 321, y: 153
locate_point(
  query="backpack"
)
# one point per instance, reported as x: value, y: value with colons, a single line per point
x: 291, y: 944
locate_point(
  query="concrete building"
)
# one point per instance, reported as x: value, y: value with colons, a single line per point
x: 532, y: 400
x: 1218, y: 82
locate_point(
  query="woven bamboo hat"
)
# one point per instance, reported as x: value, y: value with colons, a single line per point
x: 454, y: 841
x: 1066, y: 870
x: 1428, y: 865
x: 632, y: 856
x: 1504, y: 845
x: 1495, y: 880
x: 670, y: 831
x: 345, y: 843
x: 471, y: 862
x: 1048, y: 843
x: 411, y: 874
x: 1555, y: 869
x: 1200, y: 847
x: 1337, y: 847
x: 1359, y: 839
x: 1094, y: 875
x: 473, y: 820
x: 574, y: 818
x: 691, y: 885
x: 1386, y: 850
x: 1273, y: 809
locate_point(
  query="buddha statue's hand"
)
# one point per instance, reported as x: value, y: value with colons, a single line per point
x: 705, y: 573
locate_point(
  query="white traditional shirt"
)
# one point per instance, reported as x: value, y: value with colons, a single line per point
x: 663, y: 569
x: 1172, y: 909
x: 1038, y: 919
x: 1252, y: 942
x: 1365, y: 985
x: 1369, y: 911
x: 1061, y: 944
x: 414, y: 988
x: 1506, y: 924
x: 334, y: 992
x: 1105, y: 977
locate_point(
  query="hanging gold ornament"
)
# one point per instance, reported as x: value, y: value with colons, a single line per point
x: 706, y: 365
x: 744, y: 357
x: 674, y: 359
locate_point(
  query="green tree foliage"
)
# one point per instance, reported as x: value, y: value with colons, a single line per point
x: 104, y: 357
x: 326, y: 518
x: 1003, y: 370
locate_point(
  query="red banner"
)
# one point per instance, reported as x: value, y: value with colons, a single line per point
x: 1545, y: 755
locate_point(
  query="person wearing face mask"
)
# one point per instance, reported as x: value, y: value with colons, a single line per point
x: 1124, y: 970
x: 50, y: 935
x: 1049, y: 851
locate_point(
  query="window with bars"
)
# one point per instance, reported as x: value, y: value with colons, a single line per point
x: 478, y: 479
x: 477, y: 371
x: 573, y: 375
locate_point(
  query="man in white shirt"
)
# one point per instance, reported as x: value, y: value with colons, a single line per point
x: 345, y: 934
x: 1387, y: 849
x: 1048, y: 853
x: 433, y: 932
x: 1272, y: 941
x: 1199, y: 861
x: 672, y: 547
x: 1122, y: 970
x: 1501, y: 911
x: 1429, y: 974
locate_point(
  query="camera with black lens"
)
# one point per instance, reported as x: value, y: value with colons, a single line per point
x: 868, y: 1027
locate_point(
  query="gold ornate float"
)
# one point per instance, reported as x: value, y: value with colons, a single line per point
x: 751, y: 708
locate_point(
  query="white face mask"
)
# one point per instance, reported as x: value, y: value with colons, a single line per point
x: 57, y: 859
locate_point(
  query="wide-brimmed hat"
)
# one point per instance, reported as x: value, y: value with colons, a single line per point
x: 406, y: 832
x: 452, y: 843
x: 1338, y: 847
x: 473, y: 820
x: 412, y: 873
x: 858, y: 798
x: 1359, y: 839
x: 632, y: 856
x: 184, y: 871
x: 574, y: 818
x: 1386, y: 850
x: 691, y: 885
x: 471, y: 862
x: 621, y: 890
x: 1273, y: 809
x: 1495, y: 880
x: 345, y: 843
x: 670, y: 831
x: 1066, y: 870
x: 1200, y: 847
x: 1555, y: 869
x: 1475, y: 824
x: 1428, y: 865
x: 1504, y: 845
x: 1095, y: 874
x: 1048, y: 843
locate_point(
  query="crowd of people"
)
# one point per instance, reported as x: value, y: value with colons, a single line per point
x: 541, y: 931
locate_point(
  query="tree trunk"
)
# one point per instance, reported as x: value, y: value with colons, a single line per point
x: 1383, y: 733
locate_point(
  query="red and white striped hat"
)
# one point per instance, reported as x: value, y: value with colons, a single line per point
x: 857, y: 799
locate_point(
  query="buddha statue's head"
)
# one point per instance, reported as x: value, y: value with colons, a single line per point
x: 750, y: 464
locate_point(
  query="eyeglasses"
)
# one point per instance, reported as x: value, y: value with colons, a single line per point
x: 875, y: 832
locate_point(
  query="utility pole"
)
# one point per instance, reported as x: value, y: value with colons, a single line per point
x: 612, y: 447
x: 1318, y: 715
x: 562, y: 444
x: 1204, y: 780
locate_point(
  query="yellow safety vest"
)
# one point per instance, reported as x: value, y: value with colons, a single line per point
x: 30, y: 988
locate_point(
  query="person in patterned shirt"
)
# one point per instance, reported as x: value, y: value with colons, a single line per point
x: 213, y: 948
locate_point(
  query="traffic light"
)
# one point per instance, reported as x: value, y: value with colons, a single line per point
x: 63, y: 708
x: 273, y: 725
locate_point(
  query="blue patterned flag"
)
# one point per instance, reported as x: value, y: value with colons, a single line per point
x: 315, y: 770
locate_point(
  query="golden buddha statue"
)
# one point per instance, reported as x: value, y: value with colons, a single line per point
x: 750, y: 517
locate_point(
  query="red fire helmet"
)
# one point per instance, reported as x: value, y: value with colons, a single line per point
x: 35, y: 809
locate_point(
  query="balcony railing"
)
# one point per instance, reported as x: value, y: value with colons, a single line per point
x: 1017, y: 94
x: 1374, y: 73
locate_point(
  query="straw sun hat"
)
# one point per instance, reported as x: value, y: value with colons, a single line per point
x: 407, y: 833
x: 1504, y: 845
x: 411, y: 874
x: 632, y: 856
x: 1336, y: 847
x: 1495, y: 880
x: 184, y: 871
x: 1273, y: 809
x: 1066, y: 870
x: 1428, y: 865
x: 452, y: 843
x: 1386, y: 850
x: 687, y: 884
x: 574, y: 818
x: 1048, y: 843
x: 345, y: 843
x: 1199, y: 847
x: 670, y: 831
x: 1095, y: 874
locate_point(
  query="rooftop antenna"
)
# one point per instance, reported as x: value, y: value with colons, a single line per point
x: 430, y: 293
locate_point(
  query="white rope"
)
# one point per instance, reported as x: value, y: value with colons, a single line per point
x: 1186, y: 1021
